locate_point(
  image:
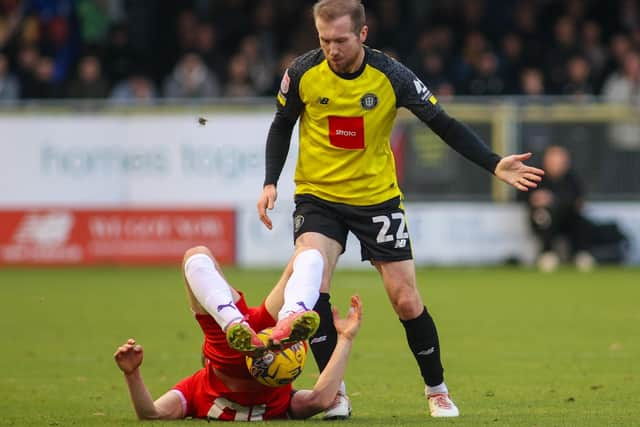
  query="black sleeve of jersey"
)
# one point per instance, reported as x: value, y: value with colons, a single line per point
x: 278, y: 143
x: 289, y: 107
x: 462, y: 139
x: 410, y: 92
x: 413, y: 94
x: 288, y: 99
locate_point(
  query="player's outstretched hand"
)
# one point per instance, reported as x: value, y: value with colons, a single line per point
x: 349, y: 326
x: 266, y: 201
x: 513, y: 171
x: 129, y: 356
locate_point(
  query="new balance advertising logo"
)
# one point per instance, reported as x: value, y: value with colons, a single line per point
x: 48, y: 229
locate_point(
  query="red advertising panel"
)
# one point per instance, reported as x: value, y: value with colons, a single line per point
x: 72, y: 236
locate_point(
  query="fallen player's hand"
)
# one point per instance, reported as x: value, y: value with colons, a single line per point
x: 349, y: 326
x: 129, y: 356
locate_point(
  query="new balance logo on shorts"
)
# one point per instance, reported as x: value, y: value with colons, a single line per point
x: 400, y: 243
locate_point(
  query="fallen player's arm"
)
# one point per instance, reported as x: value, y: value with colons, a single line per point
x: 306, y: 403
x: 128, y: 357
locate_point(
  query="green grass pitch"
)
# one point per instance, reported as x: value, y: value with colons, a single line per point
x: 520, y: 348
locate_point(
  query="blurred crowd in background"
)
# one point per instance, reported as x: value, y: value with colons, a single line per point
x: 146, y: 49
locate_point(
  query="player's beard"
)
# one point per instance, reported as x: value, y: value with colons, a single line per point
x: 344, y: 65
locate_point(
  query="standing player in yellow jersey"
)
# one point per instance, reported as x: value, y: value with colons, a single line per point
x: 346, y: 96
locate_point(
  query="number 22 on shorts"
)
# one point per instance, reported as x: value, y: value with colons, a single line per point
x: 384, y: 236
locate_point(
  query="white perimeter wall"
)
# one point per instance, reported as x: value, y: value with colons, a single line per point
x: 441, y: 233
x: 168, y: 160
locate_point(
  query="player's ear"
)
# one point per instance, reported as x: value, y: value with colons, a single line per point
x: 363, y: 33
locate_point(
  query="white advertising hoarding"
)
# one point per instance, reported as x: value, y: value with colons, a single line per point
x: 170, y: 161
x: 441, y: 234
x: 135, y: 160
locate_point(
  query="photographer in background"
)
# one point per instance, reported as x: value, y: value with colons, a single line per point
x: 555, y: 210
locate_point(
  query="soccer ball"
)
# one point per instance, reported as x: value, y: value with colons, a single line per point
x: 277, y: 368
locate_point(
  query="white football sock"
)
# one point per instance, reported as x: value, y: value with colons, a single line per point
x: 211, y: 289
x: 303, y: 287
x: 440, y: 388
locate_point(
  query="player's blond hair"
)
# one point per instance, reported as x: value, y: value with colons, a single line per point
x: 330, y: 10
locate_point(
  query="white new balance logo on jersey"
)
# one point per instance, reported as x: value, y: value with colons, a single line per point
x: 422, y: 90
x: 49, y: 229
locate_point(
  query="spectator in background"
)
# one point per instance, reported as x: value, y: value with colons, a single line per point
x: 595, y: 51
x: 485, y: 78
x: 579, y: 82
x: 575, y: 10
x: 425, y: 45
x: 265, y: 32
x: 629, y: 15
x: 472, y: 16
x: 526, y: 26
x: 185, y: 25
x: 10, y: 14
x: 260, y: 64
x: 445, y: 90
x: 58, y: 33
x: 530, y: 33
x: 89, y: 83
x: 43, y: 85
x: 431, y: 71
x: 434, y: 40
x: 9, y: 85
x: 94, y: 21
x: 4, y: 32
x: 206, y: 45
x: 511, y: 61
x: 238, y: 78
x: 119, y: 56
x: 532, y: 83
x: 285, y: 61
x: 619, y: 46
x: 555, y: 211
x: 564, y: 46
x: 191, y: 79
x: 27, y: 60
x: 392, y: 17
x: 135, y: 89
x: 624, y: 87
x: 475, y: 45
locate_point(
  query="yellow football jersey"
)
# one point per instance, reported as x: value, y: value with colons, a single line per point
x: 346, y: 122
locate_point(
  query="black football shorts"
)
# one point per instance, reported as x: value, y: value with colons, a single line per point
x: 381, y: 229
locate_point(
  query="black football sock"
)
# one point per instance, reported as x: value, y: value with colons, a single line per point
x: 425, y: 346
x: 324, y: 341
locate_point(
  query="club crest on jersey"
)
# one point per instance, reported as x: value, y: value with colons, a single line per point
x: 297, y: 222
x: 369, y: 101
